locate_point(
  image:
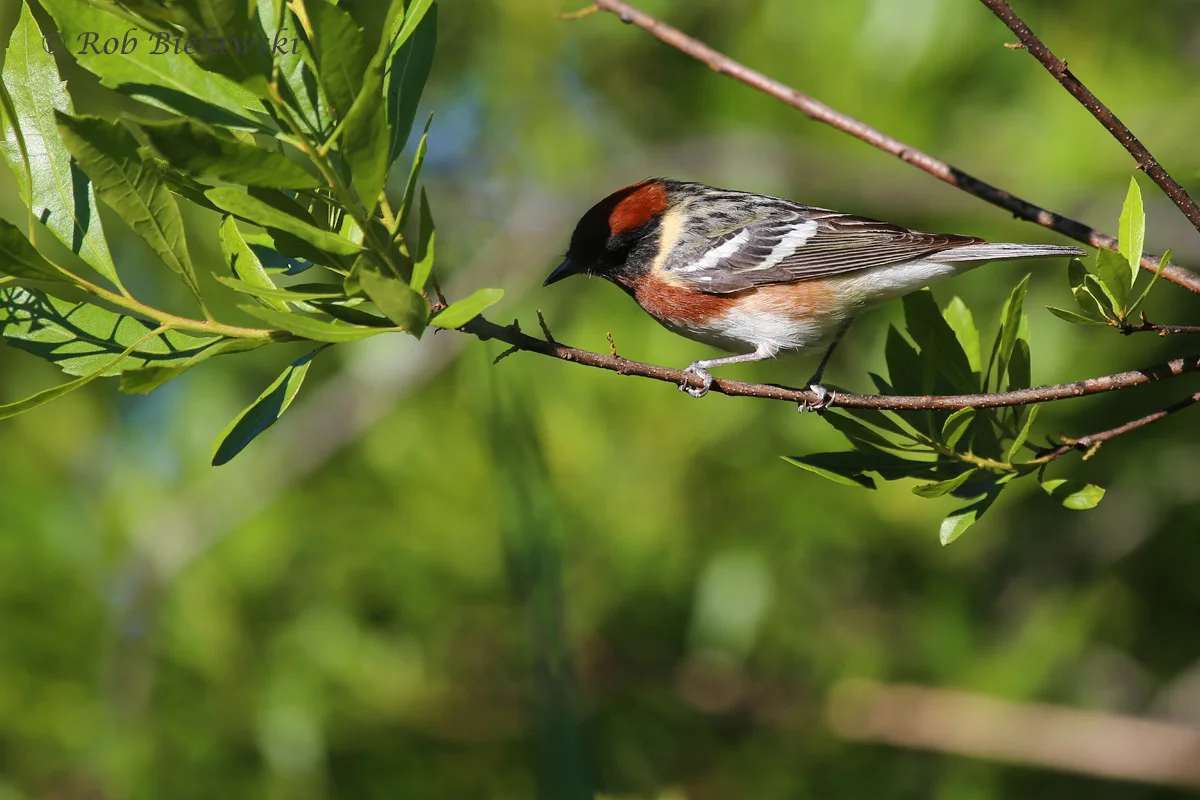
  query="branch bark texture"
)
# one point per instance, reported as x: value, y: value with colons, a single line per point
x: 816, y: 110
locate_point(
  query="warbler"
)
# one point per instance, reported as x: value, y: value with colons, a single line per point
x: 757, y: 275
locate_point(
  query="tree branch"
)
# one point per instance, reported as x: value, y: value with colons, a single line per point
x: 1145, y: 160
x: 816, y: 110
x: 484, y: 329
x: 1093, y: 440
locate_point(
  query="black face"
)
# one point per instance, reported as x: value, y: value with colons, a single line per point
x: 607, y: 238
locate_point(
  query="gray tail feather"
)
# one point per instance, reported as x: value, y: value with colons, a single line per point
x: 1002, y: 251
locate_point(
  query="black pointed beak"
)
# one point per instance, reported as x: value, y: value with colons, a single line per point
x: 565, y: 270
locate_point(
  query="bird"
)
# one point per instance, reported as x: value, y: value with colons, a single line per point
x: 759, y: 276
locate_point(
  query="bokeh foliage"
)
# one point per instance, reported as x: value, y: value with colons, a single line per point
x: 414, y: 606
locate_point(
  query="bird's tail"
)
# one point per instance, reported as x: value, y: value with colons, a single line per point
x: 1003, y: 251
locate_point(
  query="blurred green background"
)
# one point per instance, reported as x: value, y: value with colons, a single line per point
x: 439, y: 578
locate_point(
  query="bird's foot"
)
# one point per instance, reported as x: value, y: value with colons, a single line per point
x: 697, y: 391
x: 824, y: 399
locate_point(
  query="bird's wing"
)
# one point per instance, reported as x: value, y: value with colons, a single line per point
x: 789, y: 243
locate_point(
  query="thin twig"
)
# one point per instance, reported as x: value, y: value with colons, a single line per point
x: 1144, y: 158
x: 586, y: 11
x: 545, y: 327
x: 511, y: 335
x: 816, y: 110
x: 1089, y: 443
x: 1147, y: 326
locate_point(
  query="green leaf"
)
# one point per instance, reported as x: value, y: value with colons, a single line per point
x: 108, y: 153
x: 1103, y: 297
x: 937, y: 342
x: 222, y: 26
x: 45, y: 396
x: 844, y: 468
x: 1132, y: 234
x: 1019, y: 367
x: 957, y: 523
x: 410, y: 188
x: 465, y: 310
x: 859, y: 433
x: 143, y: 380
x: 1075, y: 495
x: 364, y: 139
x: 211, y: 154
x: 1010, y: 327
x: 962, y: 322
x: 79, y: 337
x: 300, y: 293
x: 423, y: 266
x: 339, y: 47
x: 1023, y: 435
x: 244, y: 264
x: 408, y: 66
x: 1166, y: 259
x: 393, y: 296
x: 956, y: 425
x: 1116, y: 275
x: 309, y: 328
x: 262, y: 413
x: 299, y: 86
x: 151, y: 71
x: 940, y: 488
x: 1076, y: 273
x: 903, y: 363
x: 252, y: 209
x: 1071, y: 316
x: 58, y: 194
x: 21, y: 259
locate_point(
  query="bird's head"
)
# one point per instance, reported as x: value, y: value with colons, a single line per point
x: 610, y: 232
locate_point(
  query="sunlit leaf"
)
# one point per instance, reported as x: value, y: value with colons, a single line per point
x: 252, y: 209
x: 108, y: 153
x: 143, y: 380
x: 956, y: 524
x: 408, y: 65
x: 940, y: 488
x: 262, y: 413
x: 956, y: 425
x: 1132, y: 234
x: 309, y: 328
x: 393, y: 296
x: 78, y: 337
x: 1071, y: 316
x: 1023, y: 434
x: 244, y: 264
x: 465, y: 310
x: 152, y: 71
x: 297, y: 293
x: 1073, y: 494
x: 1010, y: 328
x: 1116, y: 276
x: 60, y: 196
x: 340, y: 50
x: 410, y: 188
x: 962, y: 322
x: 212, y: 154
x: 423, y: 264
x: 53, y: 393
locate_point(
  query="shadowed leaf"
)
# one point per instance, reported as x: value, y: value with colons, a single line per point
x: 211, y: 154
x: 262, y: 413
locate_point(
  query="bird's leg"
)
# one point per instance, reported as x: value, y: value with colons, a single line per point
x: 700, y: 368
x: 825, y: 397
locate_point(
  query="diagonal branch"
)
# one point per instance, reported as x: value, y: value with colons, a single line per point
x: 1145, y: 160
x: 816, y: 110
x: 1088, y: 443
x: 484, y: 329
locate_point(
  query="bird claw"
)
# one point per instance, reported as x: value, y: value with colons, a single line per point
x: 697, y: 391
x: 824, y: 400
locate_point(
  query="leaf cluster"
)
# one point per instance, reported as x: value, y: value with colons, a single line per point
x: 291, y: 144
